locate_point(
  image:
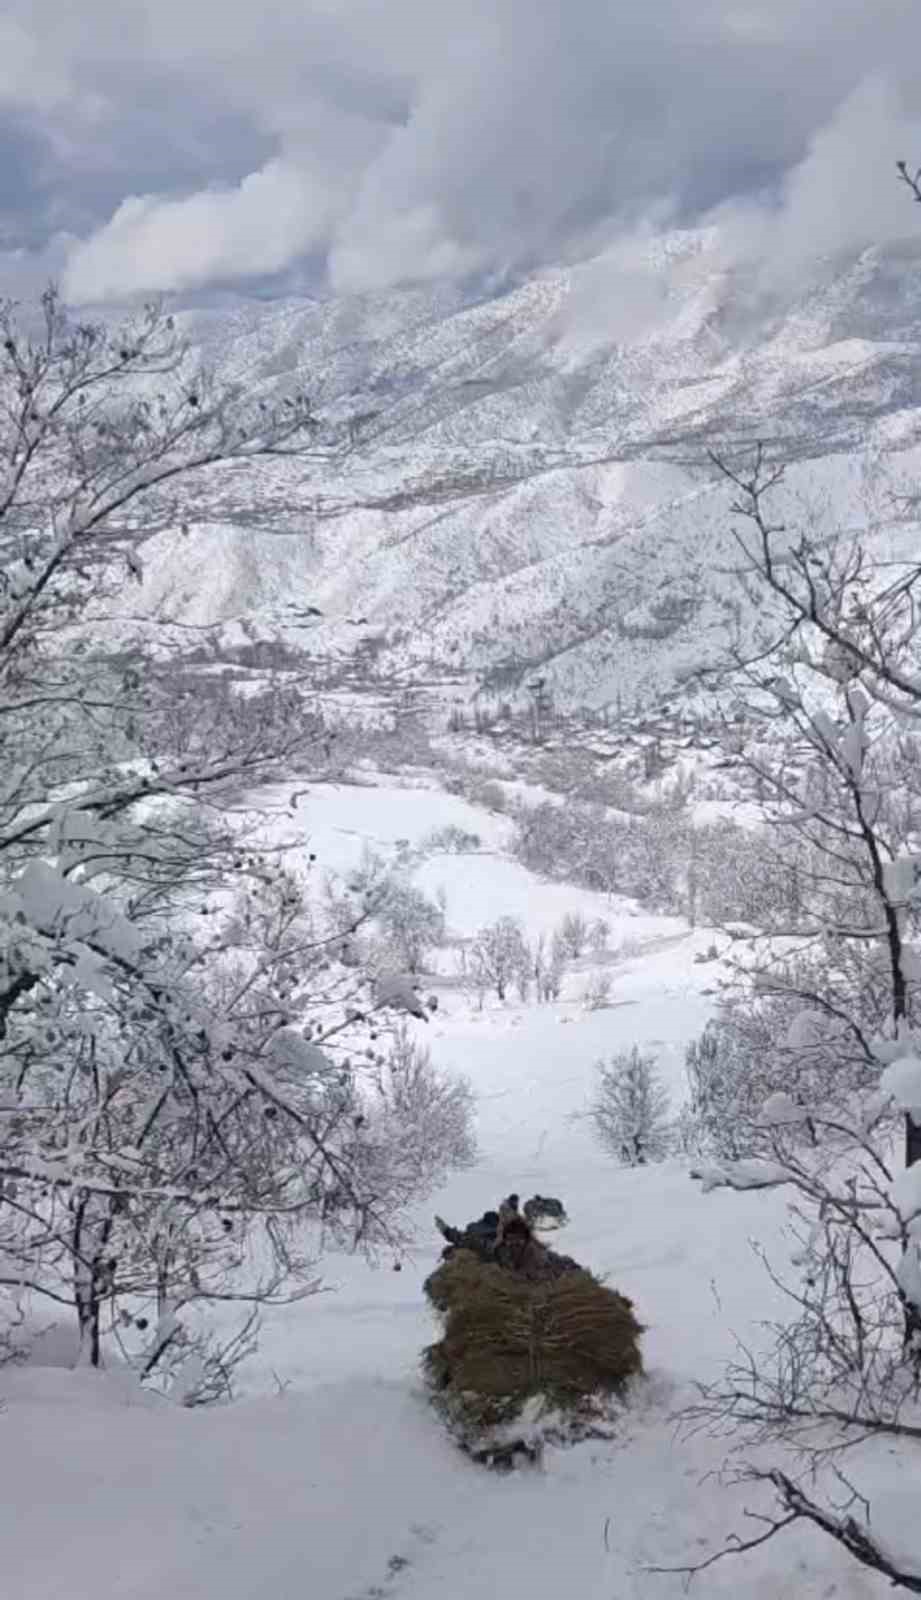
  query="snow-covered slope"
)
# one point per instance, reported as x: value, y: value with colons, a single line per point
x: 332, y: 1477
x: 533, y: 485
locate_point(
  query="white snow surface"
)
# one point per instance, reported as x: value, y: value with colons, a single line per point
x: 902, y: 1080
x: 330, y: 1478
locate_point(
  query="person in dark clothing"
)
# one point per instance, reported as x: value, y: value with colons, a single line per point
x: 506, y: 1238
x: 480, y: 1237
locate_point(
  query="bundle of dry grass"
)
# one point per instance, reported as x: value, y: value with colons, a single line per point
x: 509, y: 1339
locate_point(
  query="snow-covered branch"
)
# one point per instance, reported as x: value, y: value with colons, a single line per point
x: 190, y: 1070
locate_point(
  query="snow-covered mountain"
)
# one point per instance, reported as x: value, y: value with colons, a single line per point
x: 533, y: 490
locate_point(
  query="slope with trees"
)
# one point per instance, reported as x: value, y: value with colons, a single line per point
x: 189, y: 1081
x: 833, y: 694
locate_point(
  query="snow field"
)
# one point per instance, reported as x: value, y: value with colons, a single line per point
x: 331, y: 1478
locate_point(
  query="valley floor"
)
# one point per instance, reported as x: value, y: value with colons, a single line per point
x: 331, y: 1479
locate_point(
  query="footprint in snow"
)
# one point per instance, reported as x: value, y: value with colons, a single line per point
x: 388, y: 1586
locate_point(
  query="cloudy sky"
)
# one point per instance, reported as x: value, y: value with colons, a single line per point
x: 190, y: 145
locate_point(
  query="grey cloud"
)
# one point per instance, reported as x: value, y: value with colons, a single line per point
x: 23, y: 198
x: 24, y: 273
x: 840, y: 197
x: 213, y: 143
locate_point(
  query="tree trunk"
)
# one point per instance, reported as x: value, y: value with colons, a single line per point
x: 88, y: 1322
x: 912, y: 1312
x: 92, y: 1272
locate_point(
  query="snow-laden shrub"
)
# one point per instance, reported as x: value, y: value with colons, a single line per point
x: 745, y: 875
x: 596, y: 994
x: 420, y: 1118
x: 189, y: 1363
x: 574, y: 934
x: 489, y: 794
x: 401, y: 922
x: 731, y: 1069
x: 413, y: 924
x: 184, y: 1040
x: 711, y: 873
x: 548, y: 967
x: 801, y: 1031
x: 498, y: 958
x: 585, y: 844
x: 452, y: 840
x: 630, y: 1109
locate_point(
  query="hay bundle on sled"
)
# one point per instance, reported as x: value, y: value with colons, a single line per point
x: 534, y: 1346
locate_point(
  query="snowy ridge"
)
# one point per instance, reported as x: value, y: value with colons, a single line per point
x: 534, y: 486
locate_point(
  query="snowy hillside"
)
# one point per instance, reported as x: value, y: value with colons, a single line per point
x: 331, y: 1477
x: 532, y: 486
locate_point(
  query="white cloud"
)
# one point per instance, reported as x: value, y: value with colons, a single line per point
x: 843, y: 196
x: 152, y: 243
x: 417, y: 140
x: 413, y: 245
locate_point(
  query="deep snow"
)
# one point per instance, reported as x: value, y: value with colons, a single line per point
x: 330, y: 1479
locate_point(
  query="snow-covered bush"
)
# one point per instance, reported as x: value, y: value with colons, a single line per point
x: 413, y: 924
x: 402, y: 923
x: 480, y: 784
x: 420, y: 1117
x: 831, y: 690
x: 182, y: 1042
x: 573, y: 842
x: 184, y: 1359
x: 630, y: 1109
x: 597, y: 992
x: 711, y: 873
x: 745, y: 875
x: 452, y: 839
x: 731, y: 1069
x: 574, y: 934
x: 548, y: 967
x: 489, y: 794
x: 797, y: 1027
x: 497, y: 956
